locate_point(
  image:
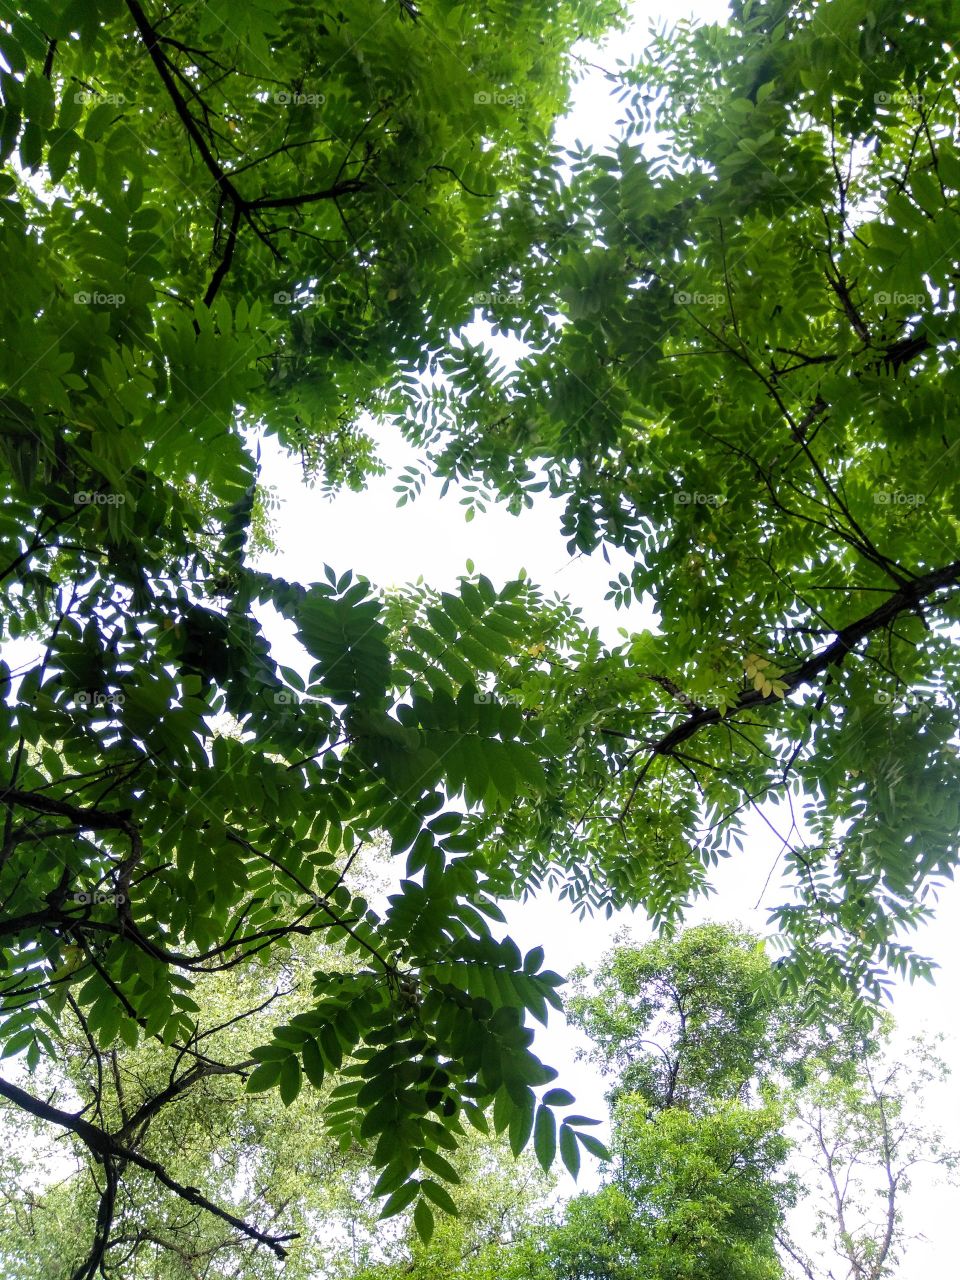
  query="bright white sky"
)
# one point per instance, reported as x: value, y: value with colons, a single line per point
x: 391, y: 546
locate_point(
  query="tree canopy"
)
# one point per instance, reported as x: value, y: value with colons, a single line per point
x: 740, y: 367
x: 764, y: 1166
x: 748, y: 1141
x: 221, y: 222
x: 262, y: 1159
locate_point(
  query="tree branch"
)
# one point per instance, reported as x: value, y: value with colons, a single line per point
x: 106, y: 1147
x: 904, y: 600
x: 241, y: 207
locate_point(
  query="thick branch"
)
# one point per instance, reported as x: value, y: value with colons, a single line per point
x: 87, y: 819
x: 904, y: 600
x: 186, y: 1082
x: 343, y: 188
x: 106, y: 1147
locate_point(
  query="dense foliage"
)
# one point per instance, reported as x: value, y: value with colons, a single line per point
x: 755, y: 1166
x: 688, y: 1034
x: 223, y: 221
x: 740, y: 335
x: 218, y: 221
x: 749, y: 1142
x: 270, y: 1163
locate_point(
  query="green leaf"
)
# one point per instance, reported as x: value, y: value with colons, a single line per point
x: 558, y: 1098
x: 594, y: 1146
x: 313, y: 1062
x: 435, y: 1162
x: 264, y: 1077
x: 98, y: 121
x: 31, y: 146
x: 440, y: 1196
x: 569, y: 1151
x: 330, y: 1044
x: 545, y: 1137
x: 521, y: 1121
x: 400, y: 1200
x: 423, y: 1221
x: 17, y: 1043
x: 290, y: 1079
x: 395, y: 1175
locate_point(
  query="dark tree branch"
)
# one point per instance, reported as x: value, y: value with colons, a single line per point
x: 101, y: 1232
x: 199, y: 1071
x: 241, y: 207
x: 906, y: 599
x: 227, y: 258
x: 48, y: 60
x: 87, y: 819
x: 152, y: 44
x: 106, y: 1147
x: 342, y: 188
x: 481, y: 195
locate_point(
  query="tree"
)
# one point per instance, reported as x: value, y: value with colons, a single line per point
x: 185, y: 1111
x: 693, y: 1196
x: 729, y: 1110
x: 222, y: 221
x: 739, y: 329
x: 698, y: 1187
x: 864, y: 1132
x: 271, y: 1164
x: 682, y: 1021
x: 215, y: 222
x: 701, y: 1185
